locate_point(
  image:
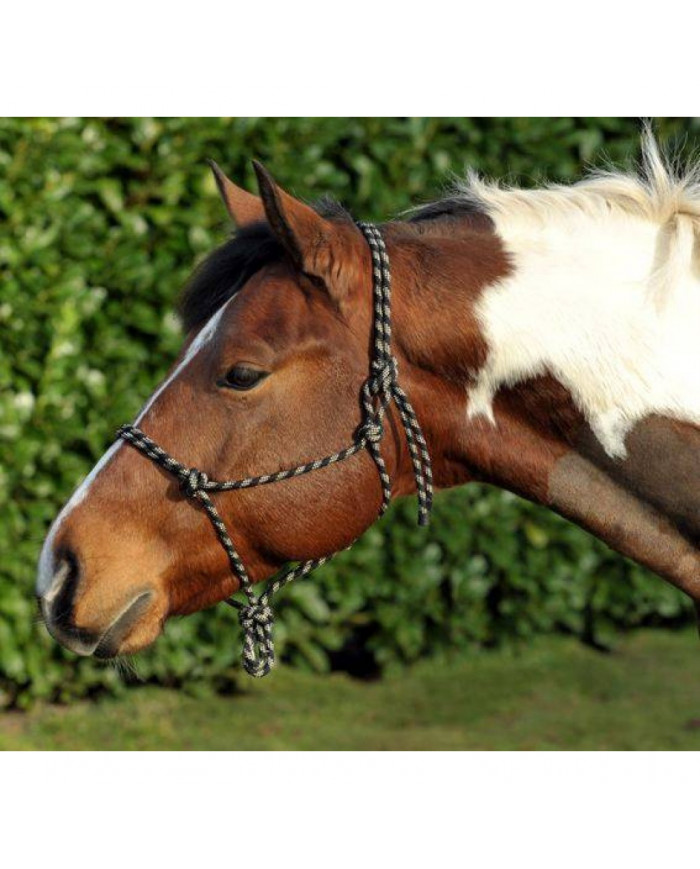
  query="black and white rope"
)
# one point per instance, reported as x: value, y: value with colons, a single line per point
x: 379, y: 390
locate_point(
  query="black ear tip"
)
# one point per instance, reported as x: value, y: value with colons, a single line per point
x: 216, y: 169
x: 219, y: 176
x: 263, y: 176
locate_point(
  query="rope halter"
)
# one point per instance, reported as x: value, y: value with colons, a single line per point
x: 192, y: 482
x: 378, y: 391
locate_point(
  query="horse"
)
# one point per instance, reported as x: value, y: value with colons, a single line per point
x: 547, y: 340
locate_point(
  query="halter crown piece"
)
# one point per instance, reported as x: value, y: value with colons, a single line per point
x: 381, y: 387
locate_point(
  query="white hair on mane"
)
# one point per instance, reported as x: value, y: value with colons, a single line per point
x: 604, y: 292
x: 659, y: 191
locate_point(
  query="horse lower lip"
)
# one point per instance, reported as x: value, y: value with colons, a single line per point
x: 108, y: 645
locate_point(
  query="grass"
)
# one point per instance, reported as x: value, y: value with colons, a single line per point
x: 555, y: 695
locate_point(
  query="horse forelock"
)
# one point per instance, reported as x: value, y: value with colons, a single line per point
x: 225, y: 271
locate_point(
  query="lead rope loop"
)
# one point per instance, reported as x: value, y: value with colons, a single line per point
x: 256, y: 616
x: 257, y: 621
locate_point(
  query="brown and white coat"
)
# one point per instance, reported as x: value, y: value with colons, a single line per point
x: 548, y: 339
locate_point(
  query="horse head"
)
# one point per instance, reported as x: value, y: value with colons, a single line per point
x: 279, y: 330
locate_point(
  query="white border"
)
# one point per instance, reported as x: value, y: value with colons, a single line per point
x: 358, y: 810
x: 350, y: 810
x: 312, y: 57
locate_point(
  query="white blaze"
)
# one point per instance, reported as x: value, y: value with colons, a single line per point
x: 46, y: 560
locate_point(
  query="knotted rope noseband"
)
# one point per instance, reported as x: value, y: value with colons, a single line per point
x: 380, y: 388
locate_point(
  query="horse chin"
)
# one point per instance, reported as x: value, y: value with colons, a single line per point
x: 135, y: 642
x: 132, y: 631
x: 138, y: 624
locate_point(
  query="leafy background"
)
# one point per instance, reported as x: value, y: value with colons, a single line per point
x: 101, y: 222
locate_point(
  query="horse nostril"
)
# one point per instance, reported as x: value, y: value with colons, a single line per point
x: 57, y: 600
x: 57, y: 604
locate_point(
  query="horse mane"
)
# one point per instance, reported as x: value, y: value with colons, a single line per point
x: 659, y: 190
x: 453, y: 206
x: 224, y: 272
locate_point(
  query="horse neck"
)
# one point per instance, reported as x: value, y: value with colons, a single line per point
x: 438, y: 273
x: 519, y: 336
x: 563, y: 370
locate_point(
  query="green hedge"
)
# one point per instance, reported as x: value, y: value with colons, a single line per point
x: 102, y: 220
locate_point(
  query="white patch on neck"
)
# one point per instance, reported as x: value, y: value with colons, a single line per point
x: 584, y: 303
x: 46, y: 559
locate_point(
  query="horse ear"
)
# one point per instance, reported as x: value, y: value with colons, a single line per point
x: 243, y: 207
x: 315, y: 245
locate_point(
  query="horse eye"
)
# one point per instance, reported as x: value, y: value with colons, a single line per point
x: 243, y: 377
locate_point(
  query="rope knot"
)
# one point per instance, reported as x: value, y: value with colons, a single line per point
x: 372, y: 431
x: 192, y: 482
x: 257, y: 621
x: 256, y: 616
x: 384, y: 374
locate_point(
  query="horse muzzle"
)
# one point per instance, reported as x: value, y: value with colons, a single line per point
x: 57, y: 607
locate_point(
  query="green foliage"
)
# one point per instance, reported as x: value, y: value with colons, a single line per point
x: 102, y: 221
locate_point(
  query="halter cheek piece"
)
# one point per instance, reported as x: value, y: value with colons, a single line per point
x: 380, y: 388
